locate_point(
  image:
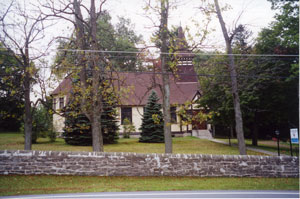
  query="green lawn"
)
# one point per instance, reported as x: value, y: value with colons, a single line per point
x: 188, y: 145
x: 19, y: 185
x: 270, y: 145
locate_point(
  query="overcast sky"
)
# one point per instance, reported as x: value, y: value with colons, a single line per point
x: 255, y: 14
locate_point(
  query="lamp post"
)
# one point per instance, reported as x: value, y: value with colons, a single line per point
x: 277, y: 134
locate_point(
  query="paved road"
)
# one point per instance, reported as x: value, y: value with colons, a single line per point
x: 170, y: 194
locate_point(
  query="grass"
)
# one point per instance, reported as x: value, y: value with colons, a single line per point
x: 22, y: 185
x: 270, y: 145
x: 183, y: 145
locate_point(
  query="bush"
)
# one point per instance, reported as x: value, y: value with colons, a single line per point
x: 41, y: 125
x: 52, y: 136
x: 128, y: 128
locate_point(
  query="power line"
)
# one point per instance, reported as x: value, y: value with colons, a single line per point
x: 169, y: 53
x: 185, y: 74
x: 179, y: 53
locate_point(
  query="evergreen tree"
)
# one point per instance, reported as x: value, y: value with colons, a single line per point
x: 77, y: 129
x: 109, y: 124
x: 152, y: 122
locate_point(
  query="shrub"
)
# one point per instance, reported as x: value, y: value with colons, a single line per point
x: 41, y: 125
x: 128, y: 128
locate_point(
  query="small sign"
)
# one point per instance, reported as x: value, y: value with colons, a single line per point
x: 294, y: 136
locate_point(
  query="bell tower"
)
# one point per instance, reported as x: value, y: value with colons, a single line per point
x: 184, y: 58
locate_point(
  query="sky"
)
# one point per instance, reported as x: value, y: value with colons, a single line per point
x: 255, y: 14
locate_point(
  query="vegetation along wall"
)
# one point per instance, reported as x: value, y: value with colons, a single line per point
x: 131, y: 164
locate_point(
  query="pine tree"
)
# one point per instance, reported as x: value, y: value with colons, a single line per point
x: 152, y: 122
x: 77, y: 129
x: 109, y: 124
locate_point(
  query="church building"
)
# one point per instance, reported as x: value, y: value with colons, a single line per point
x: 184, y: 87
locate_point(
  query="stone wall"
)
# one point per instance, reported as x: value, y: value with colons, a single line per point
x: 131, y: 164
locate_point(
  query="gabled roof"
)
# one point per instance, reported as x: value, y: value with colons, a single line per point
x: 64, y: 87
x: 140, y: 86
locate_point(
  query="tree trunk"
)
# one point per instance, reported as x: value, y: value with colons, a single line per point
x: 165, y: 76
x: 255, y: 131
x: 234, y: 85
x: 28, y: 113
x: 98, y: 72
x: 231, y: 131
x: 97, y: 134
x: 91, y: 103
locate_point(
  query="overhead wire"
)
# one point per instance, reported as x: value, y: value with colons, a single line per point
x: 266, y: 57
x: 180, y: 74
x: 171, y: 53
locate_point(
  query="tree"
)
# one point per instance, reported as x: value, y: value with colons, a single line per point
x: 41, y: 124
x: 11, y: 93
x: 280, y: 95
x: 234, y: 83
x: 125, y: 39
x: 152, y: 121
x: 77, y: 129
x: 162, y: 41
x: 92, y: 66
x: 216, y: 91
x: 30, y: 29
x: 266, y: 83
x: 120, y: 37
x: 163, y: 34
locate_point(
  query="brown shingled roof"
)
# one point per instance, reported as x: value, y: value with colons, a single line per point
x: 140, y: 85
x: 64, y: 87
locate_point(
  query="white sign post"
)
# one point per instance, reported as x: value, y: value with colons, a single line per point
x: 294, y: 136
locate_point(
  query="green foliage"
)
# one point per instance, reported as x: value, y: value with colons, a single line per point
x: 216, y: 89
x: 77, y: 129
x: 11, y: 93
x: 279, y: 96
x: 267, y: 85
x: 152, y: 121
x: 128, y: 128
x: 41, y: 125
x: 109, y: 124
x: 120, y: 37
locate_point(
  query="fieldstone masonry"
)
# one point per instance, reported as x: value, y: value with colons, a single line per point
x: 132, y: 164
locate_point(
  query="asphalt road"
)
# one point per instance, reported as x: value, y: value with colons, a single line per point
x: 169, y: 194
